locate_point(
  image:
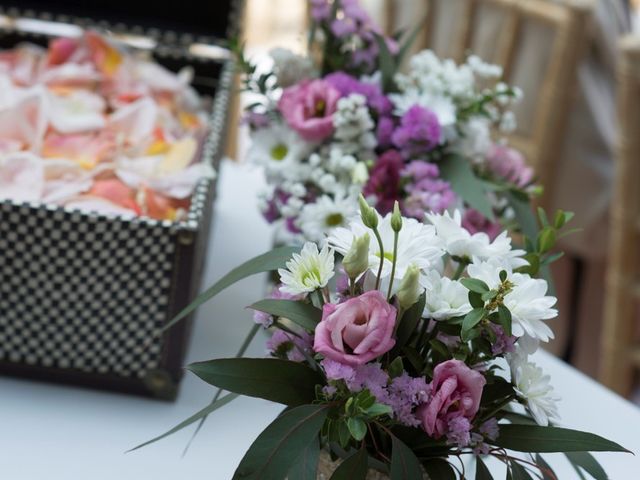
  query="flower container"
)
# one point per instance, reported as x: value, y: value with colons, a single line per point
x: 82, y: 295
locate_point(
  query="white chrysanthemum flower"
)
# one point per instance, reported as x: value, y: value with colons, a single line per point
x: 320, y: 218
x: 527, y: 301
x: 307, y: 271
x: 445, y: 298
x: 417, y: 245
x: 534, y: 386
x: 278, y: 148
x: 460, y: 243
x: 291, y: 68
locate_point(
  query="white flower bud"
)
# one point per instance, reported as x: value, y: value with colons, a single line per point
x: 410, y: 289
x: 356, y: 261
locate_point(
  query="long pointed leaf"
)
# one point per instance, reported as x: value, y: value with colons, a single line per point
x: 306, y: 465
x: 518, y: 472
x: 303, y: 314
x: 354, y: 467
x: 404, y: 463
x: 192, y: 419
x: 281, y: 381
x: 408, y: 323
x: 588, y: 463
x: 438, y: 469
x: 266, y: 262
x: 537, y: 439
x: 545, y: 469
x: 277, y: 448
x: 458, y: 172
x: 482, y: 472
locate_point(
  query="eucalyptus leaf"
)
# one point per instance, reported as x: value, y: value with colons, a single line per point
x: 266, y: 262
x: 404, y: 463
x: 409, y: 322
x: 354, y: 467
x: 273, y: 379
x: 438, y: 469
x: 280, y: 445
x: 458, y: 172
x: 306, y: 465
x: 537, y: 439
x: 482, y: 472
x: 588, y: 463
x: 303, y: 314
x: 387, y: 64
x: 545, y: 469
x: 518, y: 472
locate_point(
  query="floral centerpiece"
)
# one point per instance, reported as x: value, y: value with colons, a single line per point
x: 344, y: 120
x: 400, y: 348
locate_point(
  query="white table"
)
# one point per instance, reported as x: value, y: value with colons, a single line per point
x: 50, y: 432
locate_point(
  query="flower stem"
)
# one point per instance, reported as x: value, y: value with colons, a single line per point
x: 461, y: 266
x: 379, y: 239
x: 393, y: 264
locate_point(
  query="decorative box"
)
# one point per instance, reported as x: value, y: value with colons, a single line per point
x: 83, y: 296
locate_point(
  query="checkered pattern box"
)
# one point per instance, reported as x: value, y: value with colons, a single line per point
x: 83, y: 296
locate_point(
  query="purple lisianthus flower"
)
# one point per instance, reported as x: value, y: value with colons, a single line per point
x: 510, y: 165
x: 426, y: 191
x: 384, y: 181
x: 347, y: 84
x: 473, y: 221
x: 419, y: 132
x: 293, y: 347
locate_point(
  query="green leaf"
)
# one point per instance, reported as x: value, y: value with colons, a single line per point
x: 303, y: 314
x: 387, y: 64
x: 518, y: 418
x: 482, y: 472
x: 410, y: 39
x: 504, y: 316
x: 395, y: 368
x: 546, y: 471
x: 475, y: 285
x: 438, y: 469
x: 524, y: 215
x: 458, y: 172
x: 409, y: 322
x: 357, y: 428
x: 546, y: 239
x: 306, y: 465
x: 518, y: 472
x: 496, y: 391
x: 354, y: 467
x: 266, y: 262
x: 542, y: 215
x: 281, y: 381
x: 404, y: 463
x: 280, y: 445
x: 192, y: 419
x: 587, y: 462
x: 378, y: 409
x: 472, y: 318
x: 475, y: 299
x: 534, y: 438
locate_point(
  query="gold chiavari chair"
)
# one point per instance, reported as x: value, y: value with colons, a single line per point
x: 620, y: 346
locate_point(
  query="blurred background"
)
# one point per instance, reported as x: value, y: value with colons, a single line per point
x: 578, y: 64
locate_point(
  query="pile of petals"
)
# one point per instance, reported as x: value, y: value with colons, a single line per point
x: 401, y: 346
x: 344, y: 121
x: 87, y: 125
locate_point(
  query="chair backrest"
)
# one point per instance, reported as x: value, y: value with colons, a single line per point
x: 537, y: 42
x: 620, y: 346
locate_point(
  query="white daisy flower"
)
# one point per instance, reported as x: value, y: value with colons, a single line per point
x: 445, y: 298
x: 534, y: 386
x: 278, y: 148
x: 460, y: 243
x: 527, y: 301
x: 320, y: 218
x: 417, y: 245
x: 307, y: 271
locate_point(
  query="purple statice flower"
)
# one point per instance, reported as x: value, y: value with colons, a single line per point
x: 266, y: 320
x: 292, y: 346
x: 272, y: 212
x: 320, y: 10
x: 384, y: 131
x: 459, y: 432
x: 338, y: 371
x: 290, y: 224
x: 384, y: 181
x: 473, y: 221
x: 344, y: 27
x: 426, y: 191
x: 329, y: 390
x: 490, y: 429
x: 418, y: 133
x: 504, y: 343
x: 369, y: 376
x: 405, y: 394
x: 347, y: 84
x: 255, y: 120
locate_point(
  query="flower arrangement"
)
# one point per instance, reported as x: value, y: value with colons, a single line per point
x: 401, y: 347
x: 87, y: 125
x: 344, y: 120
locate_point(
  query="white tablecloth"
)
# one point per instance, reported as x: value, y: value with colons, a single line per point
x: 51, y: 432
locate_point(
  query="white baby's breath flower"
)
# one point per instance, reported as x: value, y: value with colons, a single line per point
x: 417, y: 245
x: 534, y: 387
x: 445, y: 298
x: 307, y: 271
x: 324, y: 215
x: 527, y: 300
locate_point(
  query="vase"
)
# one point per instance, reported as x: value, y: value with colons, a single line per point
x: 326, y: 467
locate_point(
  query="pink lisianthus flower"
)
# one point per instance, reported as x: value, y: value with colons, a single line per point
x: 456, y: 390
x: 357, y: 330
x: 474, y: 222
x: 308, y: 108
x: 509, y: 164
